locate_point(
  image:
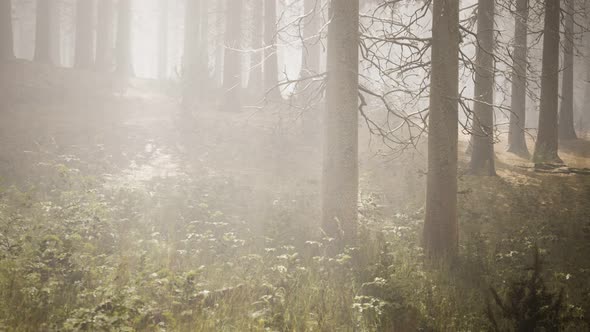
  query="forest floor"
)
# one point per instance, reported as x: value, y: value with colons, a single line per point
x: 122, y: 210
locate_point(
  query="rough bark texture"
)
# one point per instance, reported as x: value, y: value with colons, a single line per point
x: 340, y: 165
x: 311, y: 45
x: 440, y: 224
x: 566, y: 115
x: 43, y: 32
x: 6, y: 36
x: 482, y: 154
x: 84, y: 34
x: 271, y: 66
x: 163, y: 40
x: 124, y: 65
x: 546, y: 145
x: 232, y: 58
x: 255, y: 79
x: 516, y: 132
x: 585, y: 117
x: 104, y: 35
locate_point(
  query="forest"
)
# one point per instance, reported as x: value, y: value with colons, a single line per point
x: 295, y: 165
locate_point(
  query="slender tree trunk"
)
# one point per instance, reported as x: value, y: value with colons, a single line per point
x: 43, y: 32
x: 255, y: 80
x: 124, y: 65
x: 271, y: 66
x: 340, y: 165
x: 204, y: 43
x: 232, y: 70
x: 104, y: 35
x: 219, y: 41
x: 6, y: 34
x: 482, y: 154
x: 84, y: 34
x: 192, y: 40
x: 566, y: 115
x: 310, y: 58
x: 163, y: 41
x: 585, y: 118
x: 55, y: 34
x: 516, y: 132
x: 546, y: 146
x: 441, y: 232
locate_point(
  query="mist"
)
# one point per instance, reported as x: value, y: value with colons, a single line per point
x: 294, y: 165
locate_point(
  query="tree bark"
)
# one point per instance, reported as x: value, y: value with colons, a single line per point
x: 340, y: 164
x: 271, y: 66
x: 43, y: 32
x: 163, y: 41
x: 566, y: 115
x: 482, y: 154
x: 6, y: 35
x: 516, y: 131
x: 124, y: 66
x: 546, y: 146
x: 104, y: 35
x: 255, y: 79
x: 232, y: 65
x: 441, y: 232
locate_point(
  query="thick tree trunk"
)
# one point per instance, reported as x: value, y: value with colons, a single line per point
x: 271, y: 66
x: 163, y: 41
x: 340, y: 165
x: 310, y: 58
x: 43, y: 32
x: 232, y: 66
x: 546, y: 145
x: 440, y: 224
x: 566, y: 115
x: 104, y: 35
x: 482, y: 154
x: 124, y: 65
x: 6, y: 36
x: 84, y: 34
x: 255, y: 79
x: 516, y: 132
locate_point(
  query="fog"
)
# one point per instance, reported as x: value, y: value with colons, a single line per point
x: 294, y: 165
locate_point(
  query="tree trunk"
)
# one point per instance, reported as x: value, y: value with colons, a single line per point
x: 516, y: 132
x: 6, y: 36
x: 84, y: 34
x: 55, y: 34
x: 163, y: 41
x: 219, y: 41
x: 585, y: 117
x: 192, y: 37
x: 271, y: 66
x: 255, y: 80
x: 204, y: 43
x: 104, y: 37
x: 441, y: 232
x: 482, y: 154
x: 566, y: 115
x: 546, y: 145
x: 340, y: 164
x: 124, y: 65
x: 232, y: 66
x: 43, y: 32
x: 310, y: 58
